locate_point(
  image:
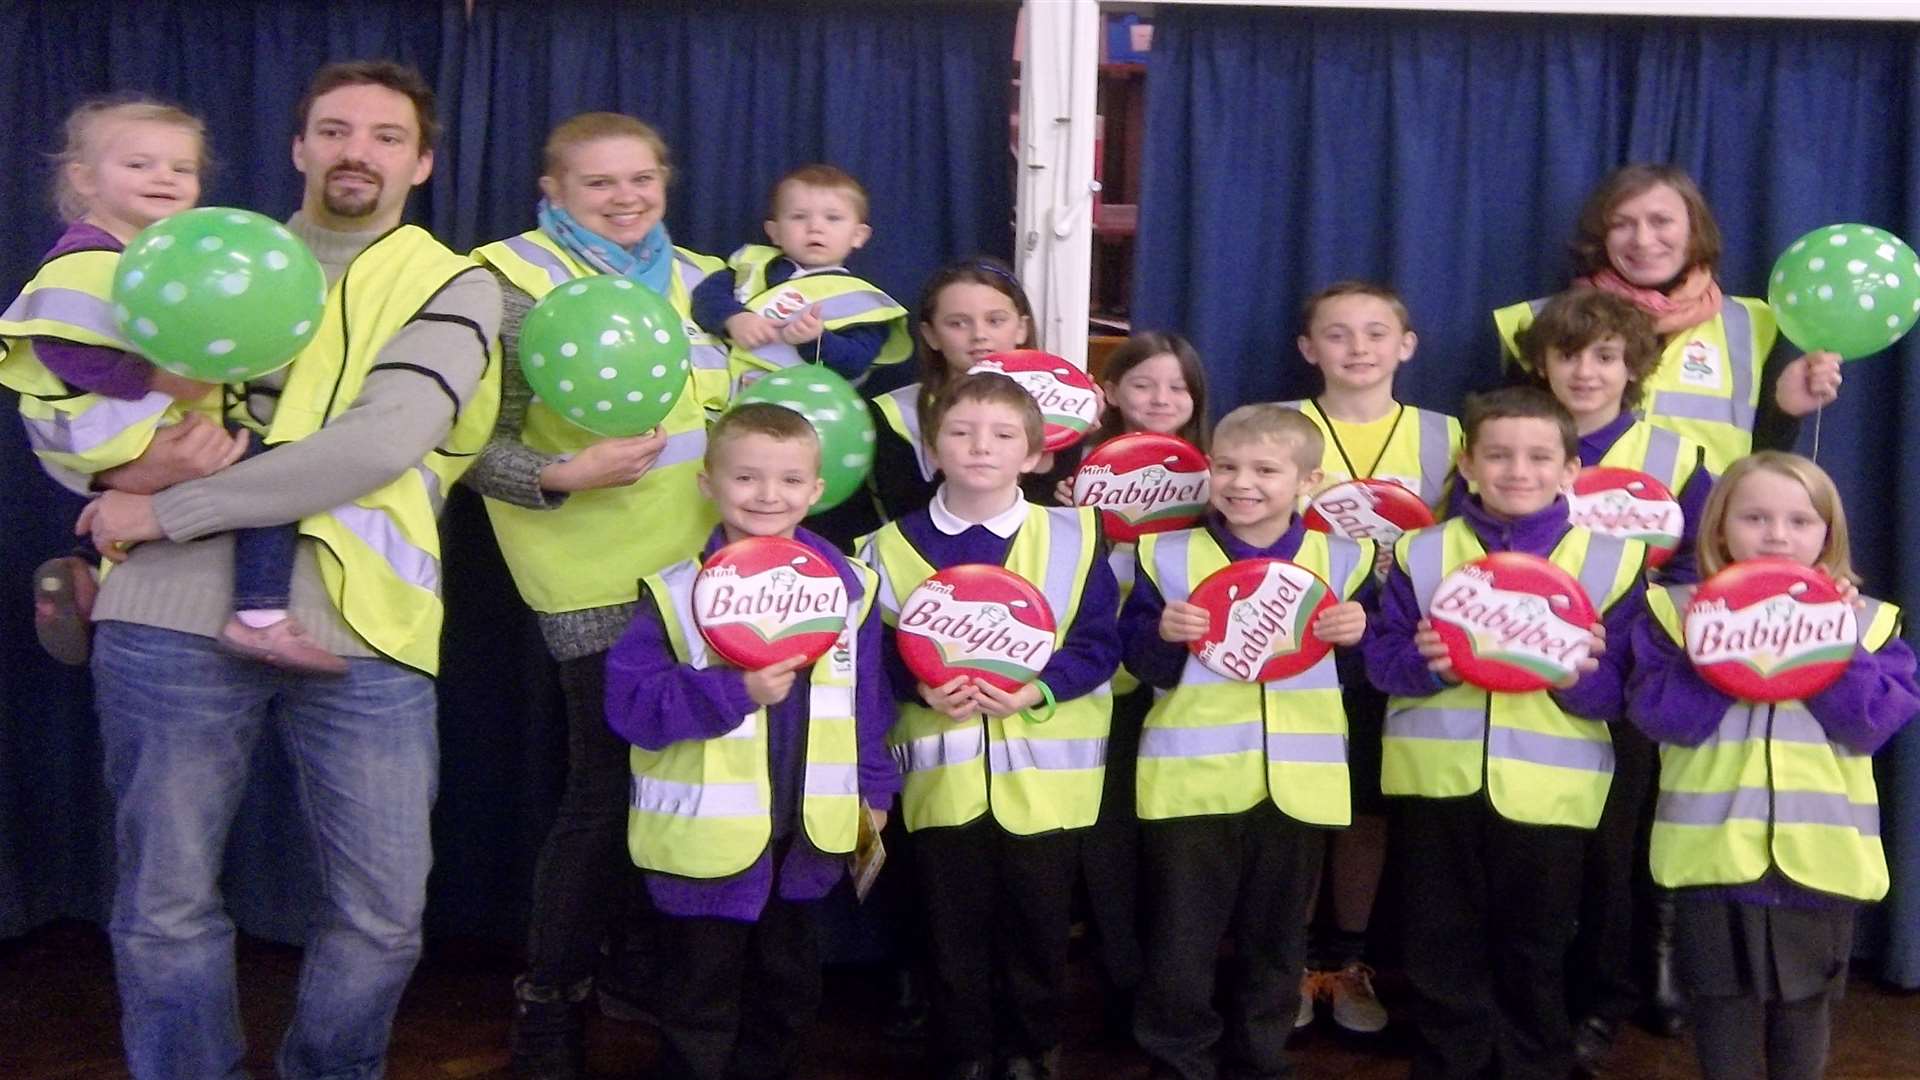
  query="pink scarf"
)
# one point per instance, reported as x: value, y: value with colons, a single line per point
x: 1694, y: 300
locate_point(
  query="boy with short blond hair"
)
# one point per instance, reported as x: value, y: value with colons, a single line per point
x: 794, y: 302
x: 1237, y: 780
x: 744, y: 970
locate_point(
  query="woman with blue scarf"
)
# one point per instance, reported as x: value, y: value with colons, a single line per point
x: 580, y: 519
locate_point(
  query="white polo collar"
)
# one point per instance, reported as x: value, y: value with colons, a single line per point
x: 1003, y: 524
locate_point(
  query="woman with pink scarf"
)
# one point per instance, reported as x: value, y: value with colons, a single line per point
x: 1646, y: 234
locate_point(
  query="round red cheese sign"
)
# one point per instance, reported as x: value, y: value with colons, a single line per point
x: 1512, y: 622
x: 1370, y: 509
x: 1143, y: 483
x: 1770, y: 630
x: 765, y: 599
x: 1259, y: 618
x: 1065, y: 393
x: 1629, y: 504
x: 979, y: 620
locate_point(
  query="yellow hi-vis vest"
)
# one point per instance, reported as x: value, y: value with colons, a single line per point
x: 1769, y: 790
x: 844, y: 301
x: 901, y: 410
x: 703, y: 808
x: 1035, y: 776
x: 1707, y: 386
x: 1418, y: 455
x: 1215, y: 746
x: 1538, y: 764
x: 1122, y: 557
x: 379, y: 555
x: 592, y: 549
x: 76, y: 434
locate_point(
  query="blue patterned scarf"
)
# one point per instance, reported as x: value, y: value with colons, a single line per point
x: 649, y: 262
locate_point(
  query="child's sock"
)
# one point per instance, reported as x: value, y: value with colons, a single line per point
x: 261, y: 618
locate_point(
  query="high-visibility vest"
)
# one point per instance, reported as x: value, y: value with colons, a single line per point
x: 703, y: 808
x: 592, y: 550
x: 76, y: 434
x: 1769, y: 790
x: 1418, y: 455
x: 379, y: 555
x: 1035, y: 776
x: 1122, y: 557
x: 1215, y: 746
x: 1707, y: 386
x: 901, y: 410
x: 844, y: 301
x: 1669, y: 458
x: 1539, y: 764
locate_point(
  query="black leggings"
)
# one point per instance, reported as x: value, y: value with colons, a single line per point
x: 1744, y: 1038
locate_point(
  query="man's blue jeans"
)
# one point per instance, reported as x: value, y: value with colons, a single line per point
x: 179, y: 721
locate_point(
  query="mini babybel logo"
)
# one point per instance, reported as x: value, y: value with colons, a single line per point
x: 976, y: 634
x: 775, y: 603
x: 784, y: 305
x: 1373, y: 509
x: 1267, y: 622
x: 1776, y: 635
x: 1144, y: 494
x: 1513, y: 627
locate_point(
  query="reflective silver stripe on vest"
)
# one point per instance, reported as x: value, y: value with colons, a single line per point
x: 832, y: 309
x: 1324, y: 748
x: 1457, y: 725
x: 1738, y: 409
x: 838, y: 779
x: 884, y: 597
x: 71, y: 306
x: 905, y: 399
x: 682, y: 448
x: 707, y: 357
x: 1123, y: 562
x: 954, y: 746
x: 412, y: 564
x: 1517, y: 744
x: 1663, y: 457
x: 540, y: 257
x: 1063, y: 562
x: 1161, y: 742
x: 1426, y: 555
x: 1752, y: 804
x: 691, y: 273
x: 697, y: 800
x: 1600, y: 567
x: 1436, y: 456
x: 102, y: 422
x: 830, y: 701
x: 1015, y: 754
x: 678, y: 579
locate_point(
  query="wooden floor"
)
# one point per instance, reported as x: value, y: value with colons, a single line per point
x: 58, y: 1020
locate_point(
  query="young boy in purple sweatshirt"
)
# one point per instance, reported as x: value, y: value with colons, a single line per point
x: 737, y: 844
x: 1768, y: 821
x: 998, y: 783
x: 1496, y: 792
x: 1240, y: 783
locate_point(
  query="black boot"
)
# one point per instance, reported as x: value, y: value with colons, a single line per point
x: 1592, y: 1043
x: 1666, y: 1007
x: 547, y: 1040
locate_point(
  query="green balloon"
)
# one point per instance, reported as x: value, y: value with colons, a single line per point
x: 218, y: 294
x: 838, y: 415
x: 606, y: 353
x: 1848, y: 289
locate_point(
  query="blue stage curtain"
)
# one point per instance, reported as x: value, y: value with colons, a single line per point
x: 911, y: 101
x: 1448, y: 156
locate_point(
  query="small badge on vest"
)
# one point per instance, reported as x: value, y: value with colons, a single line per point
x: 785, y: 305
x: 1700, y: 364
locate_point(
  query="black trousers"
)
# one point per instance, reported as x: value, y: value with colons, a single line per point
x: 737, y: 996
x: 1745, y: 1038
x: 1489, y: 916
x: 998, y: 914
x: 1615, y: 902
x: 1247, y: 877
x: 1110, y: 851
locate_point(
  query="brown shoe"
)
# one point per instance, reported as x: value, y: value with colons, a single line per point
x: 63, y: 593
x: 285, y: 645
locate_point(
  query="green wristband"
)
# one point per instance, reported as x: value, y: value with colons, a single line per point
x: 1046, y: 692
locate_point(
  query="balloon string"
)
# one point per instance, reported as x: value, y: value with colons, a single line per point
x: 1816, y: 431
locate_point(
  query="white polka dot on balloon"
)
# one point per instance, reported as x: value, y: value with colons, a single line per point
x: 666, y: 398
x: 1856, y: 266
x: 566, y: 386
x: 537, y: 360
x: 120, y: 313
x: 281, y: 232
x: 275, y: 260
x: 609, y: 373
x: 576, y: 290
x: 635, y: 396
x: 661, y: 337
x: 1824, y: 292
x: 211, y: 243
x: 219, y: 346
x: 132, y: 279
x: 603, y: 406
x: 1779, y: 276
x: 160, y: 243
x: 854, y: 461
x: 609, y: 337
x: 173, y: 292
x: 1893, y: 281
x: 1792, y: 299
x: 568, y: 348
x: 820, y: 388
x: 622, y: 283
x: 1866, y: 301
x: 1816, y: 264
x: 1893, y: 321
x: 1838, y: 239
x: 576, y: 412
x: 145, y: 327
x: 302, y: 327
x: 683, y: 365
x: 237, y: 370
x: 867, y: 435
x: 1885, y: 251
x: 238, y: 219
x: 234, y: 284
x: 659, y: 371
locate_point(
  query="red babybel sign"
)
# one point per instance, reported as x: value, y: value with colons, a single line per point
x: 1064, y: 393
x: 1770, y: 630
x: 1367, y: 509
x: 1143, y: 483
x: 1629, y: 504
x: 1512, y: 622
x: 979, y: 620
x: 1260, y: 616
x: 766, y: 599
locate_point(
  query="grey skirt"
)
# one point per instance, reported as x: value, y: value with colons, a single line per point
x: 1724, y: 948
